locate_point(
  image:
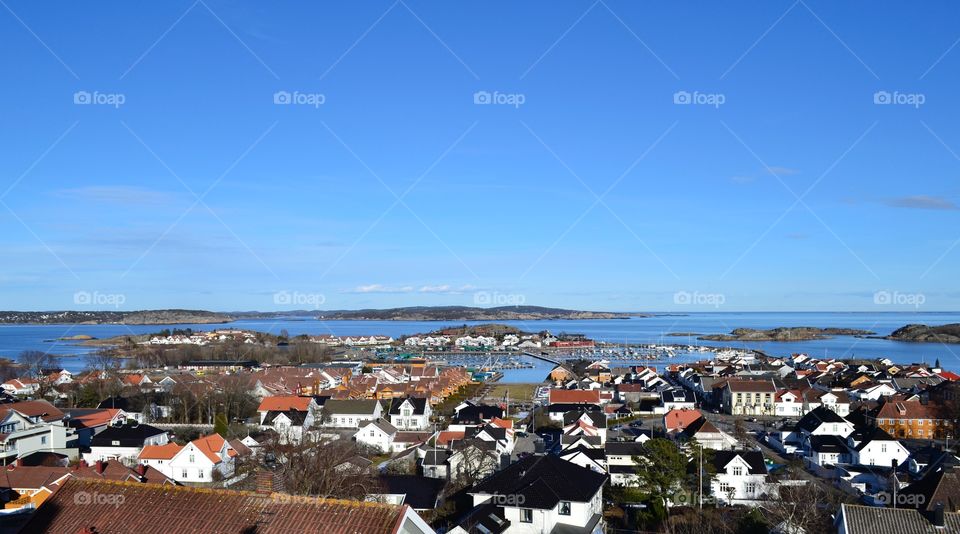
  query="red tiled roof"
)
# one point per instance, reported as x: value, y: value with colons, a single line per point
x: 680, y: 419
x: 446, y: 436
x: 37, y: 408
x: 591, y: 396
x: 285, y: 403
x: 160, y: 452
x: 97, y: 418
x: 210, y: 446
x: 155, y: 509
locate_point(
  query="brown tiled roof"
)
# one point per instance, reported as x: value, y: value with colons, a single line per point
x: 155, y: 509
x: 36, y: 408
x: 284, y: 403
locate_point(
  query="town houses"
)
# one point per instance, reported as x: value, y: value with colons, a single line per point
x: 752, y: 428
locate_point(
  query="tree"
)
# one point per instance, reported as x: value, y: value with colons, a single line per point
x: 317, y: 469
x: 805, y: 508
x: 663, y: 469
x: 740, y: 432
x: 38, y: 365
x: 221, y: 425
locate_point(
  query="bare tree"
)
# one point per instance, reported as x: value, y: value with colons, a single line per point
x: 805, y: 508
x: 317, y: 469
x: 38, y: 365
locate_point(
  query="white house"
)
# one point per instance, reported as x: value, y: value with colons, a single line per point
x: 350, y: 413
x: 201, y: 460
x: 822, y: 422
x: 876, y: 447
x: 539, y: 494
x: 620, y: 465
x: 741, y: 477
x: 21, y: 386
x: 410, y: 413
x: 677, y: 399
x: 31, y: 426
x: 377, y: 435
x: 124, y: 443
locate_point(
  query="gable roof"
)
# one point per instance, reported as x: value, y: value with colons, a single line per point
x: 680, y: 419
x: 859, y: 519
x: 419, y: 405
x: 754, y: 459
x: 818, y: 416
x: 125, y: 435
x: 155, y: 509
x: 939, y: 486
x: 283, y: 403
x: 211, y: 446
x: 160, y: 452
x: 543, y: 481
x: 574, y: 396
x: 336, y: 406
x: 421, y: 493
x: 37, y: 408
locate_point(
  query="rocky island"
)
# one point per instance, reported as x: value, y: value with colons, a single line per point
x: 795, y: 333
x: 921, y: 333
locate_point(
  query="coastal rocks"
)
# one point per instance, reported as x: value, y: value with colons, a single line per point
x: 948, y: 333
x: 797, y: 333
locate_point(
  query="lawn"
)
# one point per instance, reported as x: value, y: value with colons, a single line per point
x: 518, y: 392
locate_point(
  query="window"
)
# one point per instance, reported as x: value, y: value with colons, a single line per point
x: 526, y: 515
x: 751, y: 488
x: 883, y: 447
x: 192, y: 459
x: 184, y: 474
x: 564, y: 508
x: 737, y: 471
x: 43, y: 440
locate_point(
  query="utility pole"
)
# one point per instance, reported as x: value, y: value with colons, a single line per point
x: 700, y: 483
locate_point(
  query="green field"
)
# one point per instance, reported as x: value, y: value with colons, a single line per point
x: 518, y: 392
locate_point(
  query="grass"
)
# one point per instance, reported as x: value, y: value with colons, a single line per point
x: 517, y: 392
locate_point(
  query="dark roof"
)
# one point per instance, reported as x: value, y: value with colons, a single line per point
x: 569, y: 406
x: 127, y: 435
x: 337, y: 406
x: 421, y: 492
x: 865, y: 436
x: 677, y: 395
x: 828, y: 443
x: 624, y: 448
x: 436, y: 457
x: 753, y: 458
x: 296, y: 417
x: 818, y: 416
x: 597, y: 419
x: 544, y: 481
x: 118, y: 402
x: 476, y: 414
x: 160, y: 509
x: 419, y: 405
x: 939, y: 486
x: 875, y: 520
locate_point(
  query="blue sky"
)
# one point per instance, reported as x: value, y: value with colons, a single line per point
x: 783, y: 186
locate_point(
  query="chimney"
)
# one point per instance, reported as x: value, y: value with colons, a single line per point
x: 938, y: 520
x: 142, y: 470
x: 265, y: 482
x: 100, y: 466
x: 19, y: 462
